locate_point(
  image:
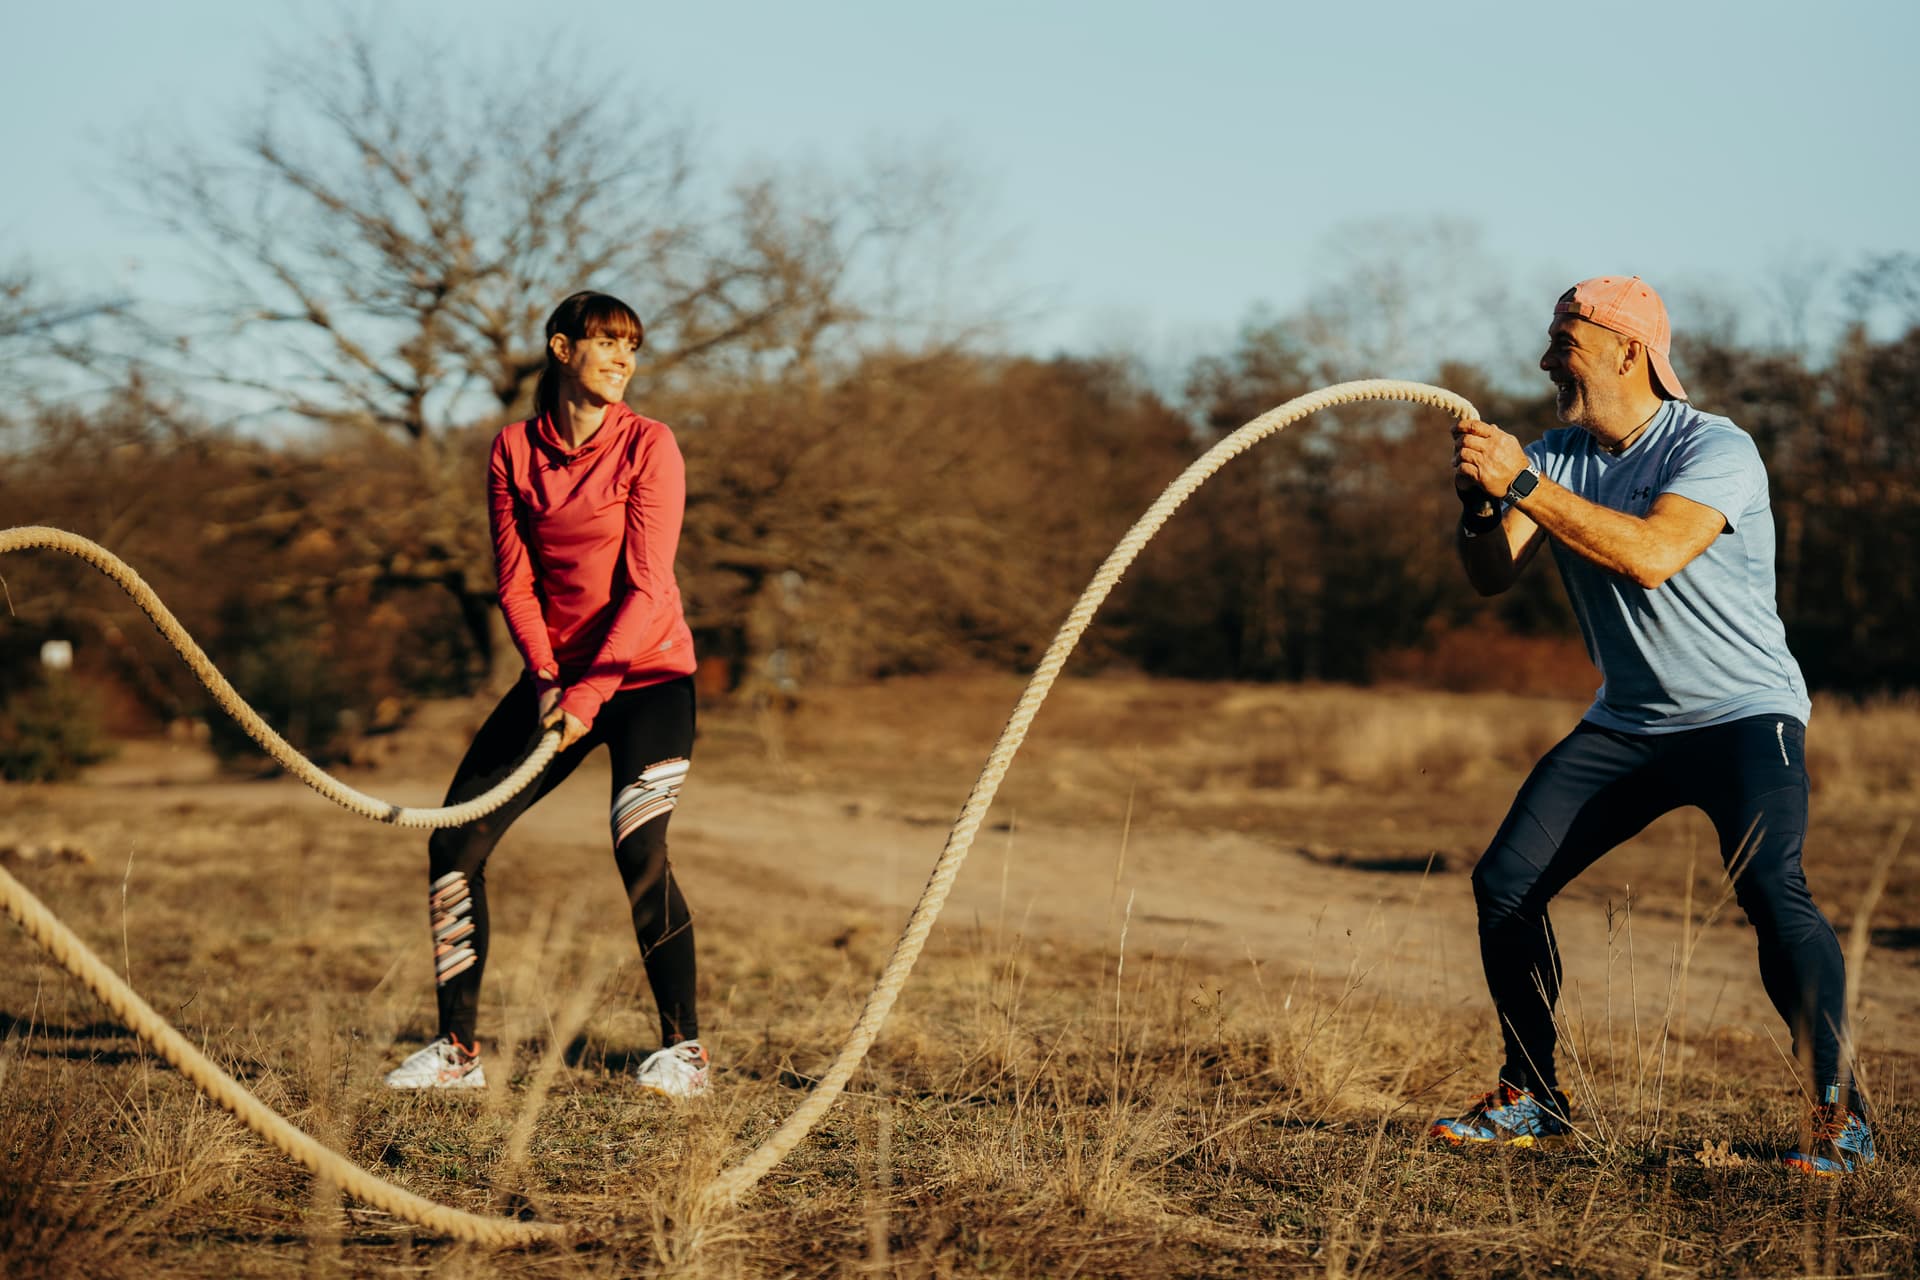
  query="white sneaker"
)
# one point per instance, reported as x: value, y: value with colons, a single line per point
x: 444, y: 1064
x: 679, y: 1071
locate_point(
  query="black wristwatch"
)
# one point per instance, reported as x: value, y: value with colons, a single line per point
x: 1524, y: 484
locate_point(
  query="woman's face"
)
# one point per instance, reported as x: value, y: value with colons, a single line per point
x: 601, y: 364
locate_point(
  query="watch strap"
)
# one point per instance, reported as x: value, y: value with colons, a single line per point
x: 1524, y: 484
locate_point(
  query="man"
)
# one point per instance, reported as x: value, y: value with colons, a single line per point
x: 1659, y: 520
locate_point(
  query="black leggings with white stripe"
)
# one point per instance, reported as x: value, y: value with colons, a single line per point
x: 648, y: 733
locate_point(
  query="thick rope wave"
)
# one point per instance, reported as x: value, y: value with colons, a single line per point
x: 732, y: 1184
x: 289, y: 758
x: 735, y: 1182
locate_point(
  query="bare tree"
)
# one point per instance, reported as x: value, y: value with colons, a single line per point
x: 1885, y: 288
x: 404, y: 232
x: 1795, y: 289
x: 38, y: 330
x: 1399, y: 295
x: 387, y: 239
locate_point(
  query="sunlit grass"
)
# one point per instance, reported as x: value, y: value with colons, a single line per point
x: 1039, y: 1104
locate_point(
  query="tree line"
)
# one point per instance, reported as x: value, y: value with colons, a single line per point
x: 876, y: 485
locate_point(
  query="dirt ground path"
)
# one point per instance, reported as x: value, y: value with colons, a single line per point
x: 1232, y: 903
x: 1366, y: 887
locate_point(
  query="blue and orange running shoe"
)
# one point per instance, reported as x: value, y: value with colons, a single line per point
x: 1841, y: 1141
x: 1510, y: 1117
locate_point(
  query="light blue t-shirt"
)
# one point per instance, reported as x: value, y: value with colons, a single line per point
x: 1707, y: 646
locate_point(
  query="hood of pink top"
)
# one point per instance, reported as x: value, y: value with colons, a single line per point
x: 612, y: 427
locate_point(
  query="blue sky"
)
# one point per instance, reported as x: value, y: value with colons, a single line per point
x: 1154, y: 170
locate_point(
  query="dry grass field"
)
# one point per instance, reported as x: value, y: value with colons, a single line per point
x: 1210, y: 971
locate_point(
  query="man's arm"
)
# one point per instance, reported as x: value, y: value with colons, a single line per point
x: 1492, y: 549
x: 1647, y: 551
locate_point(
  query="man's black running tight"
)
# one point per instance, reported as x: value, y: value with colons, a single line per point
x: 648, y: 733
x: 1598, y: 788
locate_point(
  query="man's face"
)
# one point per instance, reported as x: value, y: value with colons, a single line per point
x: 1582, y: 359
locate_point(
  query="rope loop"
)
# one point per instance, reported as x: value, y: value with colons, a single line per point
x: 726, y: 1189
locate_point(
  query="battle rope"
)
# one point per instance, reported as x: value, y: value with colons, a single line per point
x: 137, y: 1015
x: 259, y: 730
x: 733, y: 1183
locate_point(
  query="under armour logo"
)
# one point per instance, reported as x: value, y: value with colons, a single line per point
x: 1644, y: 492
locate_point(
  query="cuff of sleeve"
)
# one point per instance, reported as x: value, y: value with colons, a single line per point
x: 1473, y: 525
x: 582, y: 703
x: 1729, y: 511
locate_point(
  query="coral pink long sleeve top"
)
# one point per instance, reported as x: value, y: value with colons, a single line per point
x: 583, y: 541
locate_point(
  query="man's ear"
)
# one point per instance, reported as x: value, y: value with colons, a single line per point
x: 1632, y: 352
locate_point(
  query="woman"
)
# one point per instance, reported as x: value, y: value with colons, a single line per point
x: 586, y: 499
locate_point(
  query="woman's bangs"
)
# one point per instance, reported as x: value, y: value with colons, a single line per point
x: 608, y: 317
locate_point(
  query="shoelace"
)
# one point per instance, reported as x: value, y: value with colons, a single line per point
x: 1829, y: 1122
x: 1505, y: 1095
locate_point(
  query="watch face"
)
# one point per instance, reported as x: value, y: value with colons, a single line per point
x: 1524, y: 483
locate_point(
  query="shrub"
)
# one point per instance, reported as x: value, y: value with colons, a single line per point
x: 49, y: 730
x: 281, y: 661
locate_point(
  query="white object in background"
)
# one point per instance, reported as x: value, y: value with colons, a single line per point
x: 56, y: 655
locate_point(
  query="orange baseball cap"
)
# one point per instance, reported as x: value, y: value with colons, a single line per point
x: 1628, y: 306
